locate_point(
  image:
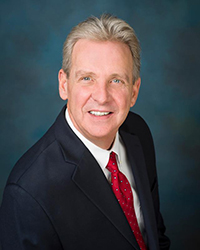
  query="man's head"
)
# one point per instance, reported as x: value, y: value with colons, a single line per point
x: 98, y: 81
x: 105, y: 28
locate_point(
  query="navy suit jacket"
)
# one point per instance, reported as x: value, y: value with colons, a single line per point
x: 57, y: 196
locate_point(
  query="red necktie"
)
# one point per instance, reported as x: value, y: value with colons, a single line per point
x: 123, y: 193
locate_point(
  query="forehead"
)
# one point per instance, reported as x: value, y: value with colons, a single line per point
x: 104, y: 56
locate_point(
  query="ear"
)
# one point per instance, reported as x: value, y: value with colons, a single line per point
x: 135, y: 92
x: 62, y: 78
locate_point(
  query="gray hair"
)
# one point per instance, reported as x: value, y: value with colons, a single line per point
x: 105, y: 28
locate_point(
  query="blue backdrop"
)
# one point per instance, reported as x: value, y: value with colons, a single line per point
x: 31, y: 38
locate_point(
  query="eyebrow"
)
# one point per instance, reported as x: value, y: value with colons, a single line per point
x: 82, y: 72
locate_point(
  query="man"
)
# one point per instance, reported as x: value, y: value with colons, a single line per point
x: 90, y: 182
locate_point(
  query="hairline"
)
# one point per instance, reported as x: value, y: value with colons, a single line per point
x: 105, y: 28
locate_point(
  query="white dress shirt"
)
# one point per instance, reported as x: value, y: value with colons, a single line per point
x: 102, y: 157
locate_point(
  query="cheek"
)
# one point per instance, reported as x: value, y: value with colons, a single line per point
x: 84, y: 95
x: 73, y: 99
x: 124, y: 100
x: 74, y: 94
x: 80, y: 99
x: 131, y: 99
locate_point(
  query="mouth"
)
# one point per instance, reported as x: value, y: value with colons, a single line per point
x: 99, y: 113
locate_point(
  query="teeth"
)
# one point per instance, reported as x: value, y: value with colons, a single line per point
x: 98, y: 113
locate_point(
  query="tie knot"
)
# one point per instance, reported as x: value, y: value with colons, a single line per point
x: 112, y: 163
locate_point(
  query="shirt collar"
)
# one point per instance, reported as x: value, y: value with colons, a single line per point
x: 101, y: 155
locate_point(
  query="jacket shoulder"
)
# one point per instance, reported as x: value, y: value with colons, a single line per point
x: 135, y: 124
x: 31, y: 156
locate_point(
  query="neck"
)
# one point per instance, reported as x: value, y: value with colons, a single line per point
x: 103, y: 143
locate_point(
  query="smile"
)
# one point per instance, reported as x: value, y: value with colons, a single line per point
x: 98, y: 113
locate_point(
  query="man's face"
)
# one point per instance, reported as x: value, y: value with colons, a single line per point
x: 100, y: 89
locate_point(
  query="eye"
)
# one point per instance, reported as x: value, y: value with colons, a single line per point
x: 86, y: 78
x: 117, y: 81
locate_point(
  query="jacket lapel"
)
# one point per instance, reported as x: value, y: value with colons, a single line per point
x: 137, y: 161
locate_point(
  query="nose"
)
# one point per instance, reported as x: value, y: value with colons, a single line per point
x: 101, y: 93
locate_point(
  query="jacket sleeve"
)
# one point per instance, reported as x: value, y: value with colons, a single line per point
x: 24, y: 224
x: 164, y: 242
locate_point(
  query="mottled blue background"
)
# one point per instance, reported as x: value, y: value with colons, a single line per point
x: 31, y: 38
